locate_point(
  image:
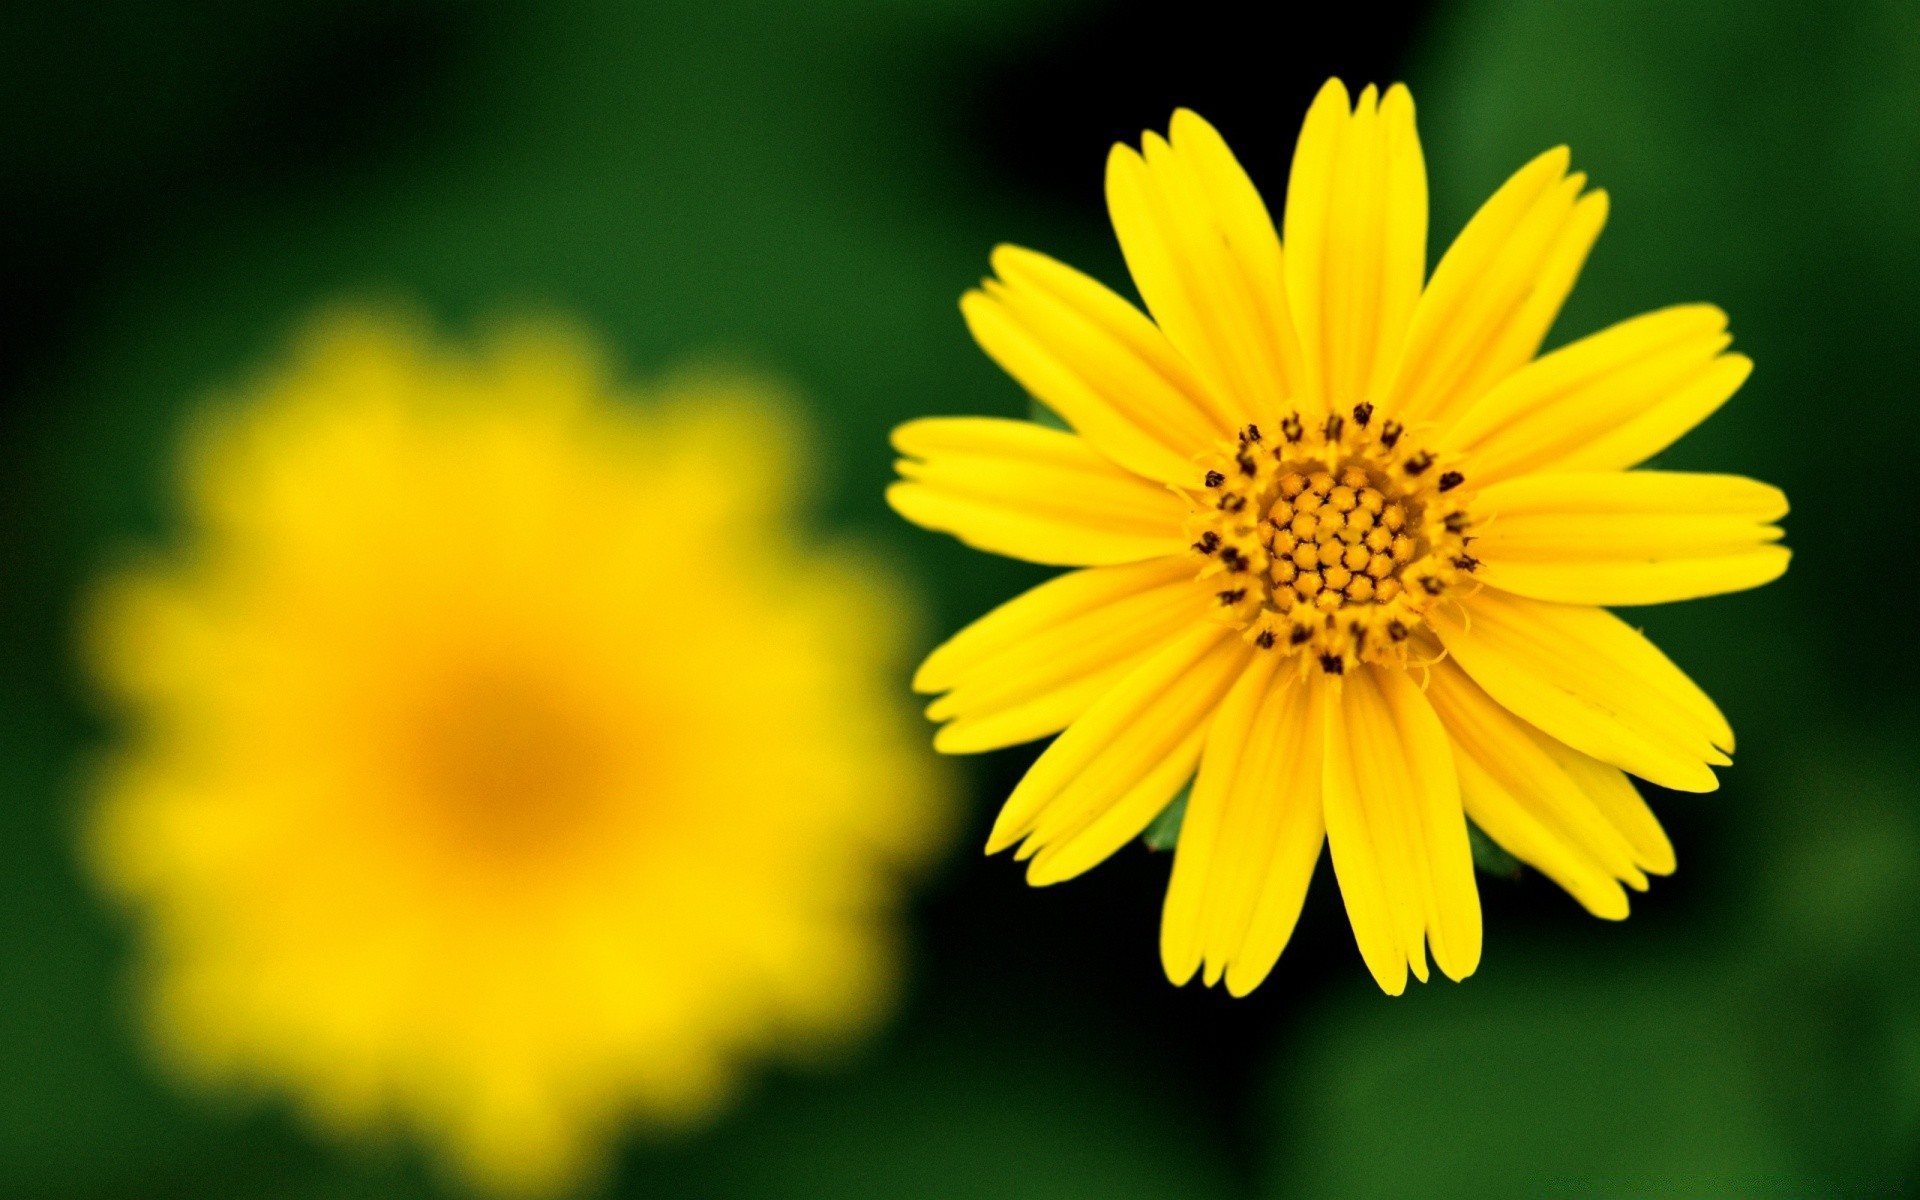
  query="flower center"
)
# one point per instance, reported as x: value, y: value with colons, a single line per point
x: 1332, y: 542
x: 511, y: 768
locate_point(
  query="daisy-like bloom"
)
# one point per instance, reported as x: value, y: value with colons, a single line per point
x: 1345, y: 544
x: 502, y: 762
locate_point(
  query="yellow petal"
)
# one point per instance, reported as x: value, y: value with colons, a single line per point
x: 1628, y: 537
x: 1096, y: 360
x: 1203, y: 859
x: 1397, y: 830
x: 1295, y: 847
x: 1625, y: 809
x: 1585, y: 677
x: 1498, y: 289
x: 1032, y: 613
x: 1031, y: 667
x: 1020, y: 489
x: 1606, y: 402
x: 1207, y: 270
x: 1437, y: 823
x: 1223, y: 197
x: 1356, y: 238
x: 1114, y: 769
x: 1252, y: 833
x: 1357, y: 863
x: 1517, y: 790
x: 1502, y: 814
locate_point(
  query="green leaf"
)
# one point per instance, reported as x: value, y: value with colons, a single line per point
x: 1489, y: 857
x: 1164, y: 833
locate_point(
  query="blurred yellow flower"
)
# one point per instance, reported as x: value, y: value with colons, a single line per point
x: 501, y: 761
x: 1346, y: 540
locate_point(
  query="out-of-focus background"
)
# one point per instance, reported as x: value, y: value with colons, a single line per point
x: 808, y: 188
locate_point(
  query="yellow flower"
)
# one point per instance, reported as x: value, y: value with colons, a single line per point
x: 1345, y: 540
x: 502, y: 763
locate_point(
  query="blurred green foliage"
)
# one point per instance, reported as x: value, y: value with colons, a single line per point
x: 790, y: 184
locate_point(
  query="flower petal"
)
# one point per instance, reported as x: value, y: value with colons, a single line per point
x: 1252, y: 833
x: 1518, y: 788
x: 1628, y: 537
x: 1114, y: 769
x: 1026, y: 491
x: 1030, y: 667
x: 1202, y: 251
x: 1625, y: 808
x: 1096, y: 360
x: 1356, y: 238
x: 1498, y: 289
x: 1609, y: 401
x: 1219, y: 194
x: 1034, y: 612
x: 1584, y: 676
x: 1397, y: 830
x: 1181, y: 269
x: 1205, y: 857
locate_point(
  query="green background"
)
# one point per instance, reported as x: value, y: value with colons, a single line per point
x: 808, y: 186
